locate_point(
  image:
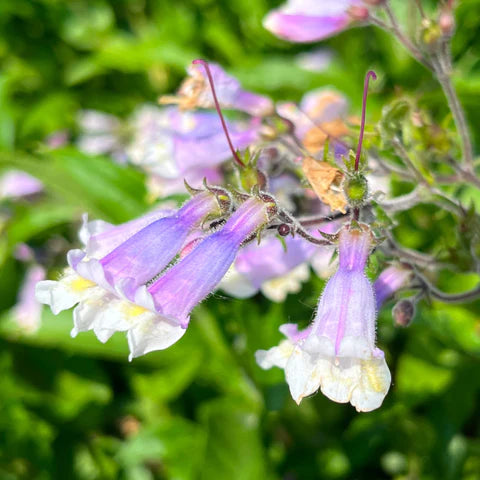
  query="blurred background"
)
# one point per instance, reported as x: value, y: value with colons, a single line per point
x: 75, y: 408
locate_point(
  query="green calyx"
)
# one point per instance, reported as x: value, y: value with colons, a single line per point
x: 250, y: 175
x: 356, y: 189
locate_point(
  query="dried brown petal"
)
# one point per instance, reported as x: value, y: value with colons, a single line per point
x: 326, y: 182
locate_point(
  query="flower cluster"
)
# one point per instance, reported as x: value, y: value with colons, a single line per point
x: 146, y: 276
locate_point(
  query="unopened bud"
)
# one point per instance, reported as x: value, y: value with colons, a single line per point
x: 446, y: 22
x: 431, y: 33
x: 356, y: 190
x: 403, y: 312
x: 283, y: 230
x: 358, y: 13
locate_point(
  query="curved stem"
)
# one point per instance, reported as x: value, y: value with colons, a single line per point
x: 298, y: 228
x: 409, y: 45
x: 445, y: 80
x: 403, y: 202
x: 371, y: 74
x: 469, y: 295
x: 427, y: 261
x: 204, y: 63
x: 415, y: 52
x: 312, y: 221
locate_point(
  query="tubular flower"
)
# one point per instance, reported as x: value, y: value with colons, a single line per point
x: 148, y: 251
x: 390, y: 280
x: 272, y: 268
x: 156, y: 315
x: 172, y: 145
x: 196, y: 275
x: 337, y: 352
x: 313, y: 20
x: 195, y: 92
x: 118, y: 259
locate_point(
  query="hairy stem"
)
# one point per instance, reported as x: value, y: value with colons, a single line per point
x: 445, y: 80
x: 401, y: 37
x: 469, y: 295
x: 298, y: 228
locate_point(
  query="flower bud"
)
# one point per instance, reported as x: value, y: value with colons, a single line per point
x: 431, y: 33
x: 403, y: 312
x: 446, y: 22
x: 283, y: 230
x: 358, y: 13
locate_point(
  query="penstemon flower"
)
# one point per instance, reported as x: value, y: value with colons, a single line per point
x: 169, y: 142
x: 388, y: 282
x: 195, y: 92
x: 123, y: 257
x: 147, y: 252
x: 195, y: 276
x: 313, y: 20
x: 17, y: 184
x: 157, y: 314
x: 337, y: 352
x: 172, y: 146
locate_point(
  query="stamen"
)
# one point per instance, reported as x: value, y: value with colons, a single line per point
x: 372, y: 74
x: 204, y: 63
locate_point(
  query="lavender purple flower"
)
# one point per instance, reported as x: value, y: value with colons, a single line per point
x: 337, y: 353
x: 195, y: 92
x: 195, y: 276
x: 16, y: 184
x: 148, y: 251
x: 121, y: 258
x: 172, y: 145
x: 157, y: 314
x: 313, y: 20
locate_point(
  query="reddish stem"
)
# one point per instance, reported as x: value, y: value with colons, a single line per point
x: 372, y: 74
x: 204, y: 63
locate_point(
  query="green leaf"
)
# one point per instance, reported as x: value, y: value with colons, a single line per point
x: 233, y: 448
x: 93, y: 184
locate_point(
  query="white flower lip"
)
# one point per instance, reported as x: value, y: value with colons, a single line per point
x: 361, y: 380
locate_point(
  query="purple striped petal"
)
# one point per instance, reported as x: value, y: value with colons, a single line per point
x: 195, y: 276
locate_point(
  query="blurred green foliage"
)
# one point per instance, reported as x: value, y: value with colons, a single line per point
x: 202, y: 409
